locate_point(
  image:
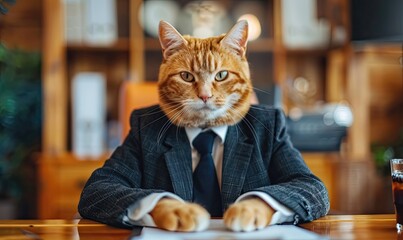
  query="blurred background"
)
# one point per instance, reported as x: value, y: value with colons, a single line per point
x: 333, y: 66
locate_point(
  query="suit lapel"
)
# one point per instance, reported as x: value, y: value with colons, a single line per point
x: 237, y: 155
x: 179, y: 162
x: 236, y: 159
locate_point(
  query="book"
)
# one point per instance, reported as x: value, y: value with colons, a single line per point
x: 92, y: 22
x: 89, y: 114
x: 73, y: 30
x: 100, y: 22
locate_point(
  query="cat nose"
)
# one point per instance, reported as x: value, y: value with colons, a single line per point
x: 204, y: 98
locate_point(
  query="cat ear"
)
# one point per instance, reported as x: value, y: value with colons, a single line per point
x: 237, y: 38
x: 170, y: 39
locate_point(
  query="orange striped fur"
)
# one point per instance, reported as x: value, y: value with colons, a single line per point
x: 189, y: 92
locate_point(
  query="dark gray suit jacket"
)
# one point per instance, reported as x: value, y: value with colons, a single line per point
x: 156, y: 157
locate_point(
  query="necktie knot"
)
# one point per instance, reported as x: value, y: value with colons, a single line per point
x: 204, y: 142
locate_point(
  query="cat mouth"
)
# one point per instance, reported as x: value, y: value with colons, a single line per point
x: 207, y: 108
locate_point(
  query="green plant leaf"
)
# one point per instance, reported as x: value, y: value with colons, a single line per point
x: 20, y: 115
x: 4, y: 3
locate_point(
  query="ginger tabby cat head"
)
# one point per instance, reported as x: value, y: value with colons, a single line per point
x: 204, y: 82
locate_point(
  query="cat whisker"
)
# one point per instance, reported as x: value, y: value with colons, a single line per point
x: 151, y: 112
x: 263, y: 91
x: 253, y: 131
x: 166, y: 125
x: 251, y: 128
x: 260, y: 108
x: 173, y: 109
x: 177, y: 129
x: 152, y: 122
x: 155, y: 111
x: 163, y: 130
x: 175, y: 118
x: 260, y: 123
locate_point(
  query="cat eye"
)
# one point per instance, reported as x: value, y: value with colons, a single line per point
x: 188, y: 77
x: 221, y: 76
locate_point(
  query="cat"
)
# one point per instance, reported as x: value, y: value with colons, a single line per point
x: 203, y: 84
x: 206, y: 83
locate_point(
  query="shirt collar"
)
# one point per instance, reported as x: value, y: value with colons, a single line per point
x: 192, y: 133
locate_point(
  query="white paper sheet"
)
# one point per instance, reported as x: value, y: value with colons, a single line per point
x: 218, y: 231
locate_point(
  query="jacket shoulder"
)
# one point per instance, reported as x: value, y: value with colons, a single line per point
x: 146, y: 112
x: 264, y: 110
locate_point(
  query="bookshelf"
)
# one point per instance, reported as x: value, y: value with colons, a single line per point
x: 135, y: 56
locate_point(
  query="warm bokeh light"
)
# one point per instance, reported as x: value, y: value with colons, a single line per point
x: 254, y: 26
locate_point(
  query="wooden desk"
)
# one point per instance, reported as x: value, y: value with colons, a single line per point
x: 59, y: 230
x: 335, y: 227
x: 380, y: 227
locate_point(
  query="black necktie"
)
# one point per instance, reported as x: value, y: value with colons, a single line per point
x: 206, y: 190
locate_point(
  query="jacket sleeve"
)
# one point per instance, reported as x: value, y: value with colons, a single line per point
x: 292, y: 183
x: 114, y: 187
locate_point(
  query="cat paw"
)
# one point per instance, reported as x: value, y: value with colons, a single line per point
x: 173, y: 215
x: 248, y: 215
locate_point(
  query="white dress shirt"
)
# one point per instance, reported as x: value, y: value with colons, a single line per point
x: 138, y: 214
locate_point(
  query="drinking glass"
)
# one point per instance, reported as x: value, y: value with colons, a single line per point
x: 396, y: 167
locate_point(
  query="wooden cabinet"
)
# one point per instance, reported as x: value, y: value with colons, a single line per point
x: 136, y: 56
x: 120, y: 61
x: 61, y: 173
x: 61, y: 180
x: 323, y: 165
x: 375, y: 90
